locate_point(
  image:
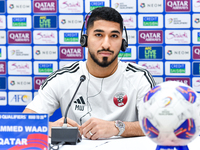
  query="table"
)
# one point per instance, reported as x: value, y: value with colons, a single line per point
x: 119, y: 143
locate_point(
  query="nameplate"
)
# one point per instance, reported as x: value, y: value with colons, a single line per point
x: 23, y: 131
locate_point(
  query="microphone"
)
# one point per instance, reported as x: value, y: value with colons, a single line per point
x: 67, y: 135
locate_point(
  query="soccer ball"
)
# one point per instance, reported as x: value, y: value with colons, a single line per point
x: 170, y: 114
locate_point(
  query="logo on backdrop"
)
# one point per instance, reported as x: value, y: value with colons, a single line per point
x: 120, y: 99
x: 70, y: 6
x: 38, y: 82
x: 2, y: 67
x: 177, y: 68
x: 19, y: 37
x: 19, y: 98
x: 182, y: 80
x: 125, y: 7
x: 96, y: 4
x: 155, y: 68
x: 177, y: 52
x: 19, y: 67
x: 3, y: 83
x: 44, y: 6
x: 196, y: 68
x: 196, y: 52
x: 150, y: 6
x: 45, y: 68
x: 177, y: 6
x: 2, y: 6
x: 20, y: 6
x: 150, y: 52
x: 151, y: 37
x: 177, y: 21
x: 2, y: 37
x: 45, y: 37
x: 45, y: 22
x: 20, y: 83
x: 177, y: 36
x: 2, y: 22
x: 71, y: 52
x: 129, y: 21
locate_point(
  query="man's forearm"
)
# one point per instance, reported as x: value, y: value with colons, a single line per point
x: 132, y: 129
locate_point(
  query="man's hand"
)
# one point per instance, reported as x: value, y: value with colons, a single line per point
x: 60, y: 122
x: 96, y: 128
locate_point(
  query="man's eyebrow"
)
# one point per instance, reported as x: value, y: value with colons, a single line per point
x: 114, y: 31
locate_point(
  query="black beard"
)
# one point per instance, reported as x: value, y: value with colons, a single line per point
x: 105, y: 62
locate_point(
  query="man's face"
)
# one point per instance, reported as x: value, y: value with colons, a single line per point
x: 104, y: 42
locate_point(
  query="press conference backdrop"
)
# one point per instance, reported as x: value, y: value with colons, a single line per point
x: 38, y: 37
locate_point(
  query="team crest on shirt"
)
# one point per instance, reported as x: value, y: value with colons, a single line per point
x: 120, y: 99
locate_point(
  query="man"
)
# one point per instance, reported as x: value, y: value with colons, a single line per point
x: 107, y: 102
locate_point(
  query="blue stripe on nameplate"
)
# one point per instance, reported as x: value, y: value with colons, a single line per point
x: 23, y: 131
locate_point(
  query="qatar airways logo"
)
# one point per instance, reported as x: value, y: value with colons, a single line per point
x: 67, y: 4
x: 155, y: 68
x: 177, y: 36
x: 196, y: 52
x: 151, y: 37
x: 38, y: 82
x: 177, y: 5
x: 182, y: 80
x: 19, y: 37
x: 45, y: 37
x: 1, y: 20
x: 45, y: 6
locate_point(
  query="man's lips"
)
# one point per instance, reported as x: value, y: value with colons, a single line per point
x: 104, y: 53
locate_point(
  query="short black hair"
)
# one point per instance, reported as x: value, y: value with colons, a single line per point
x: 105, y: 13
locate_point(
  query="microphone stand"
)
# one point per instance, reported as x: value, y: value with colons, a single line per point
x: 67, y: 135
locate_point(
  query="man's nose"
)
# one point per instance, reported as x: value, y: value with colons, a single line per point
x: 106, y: 43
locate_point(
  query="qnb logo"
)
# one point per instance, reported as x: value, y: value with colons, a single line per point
x: 63, y: 21
x: 196, y: 20
x: 37, y: 52
x: 169, y: 52
x: 11, y: 6
x: 66, y: 4
x: 142, y: 5
x: 80, y: 104
x: 20, y: 98
x: 12, y: 83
